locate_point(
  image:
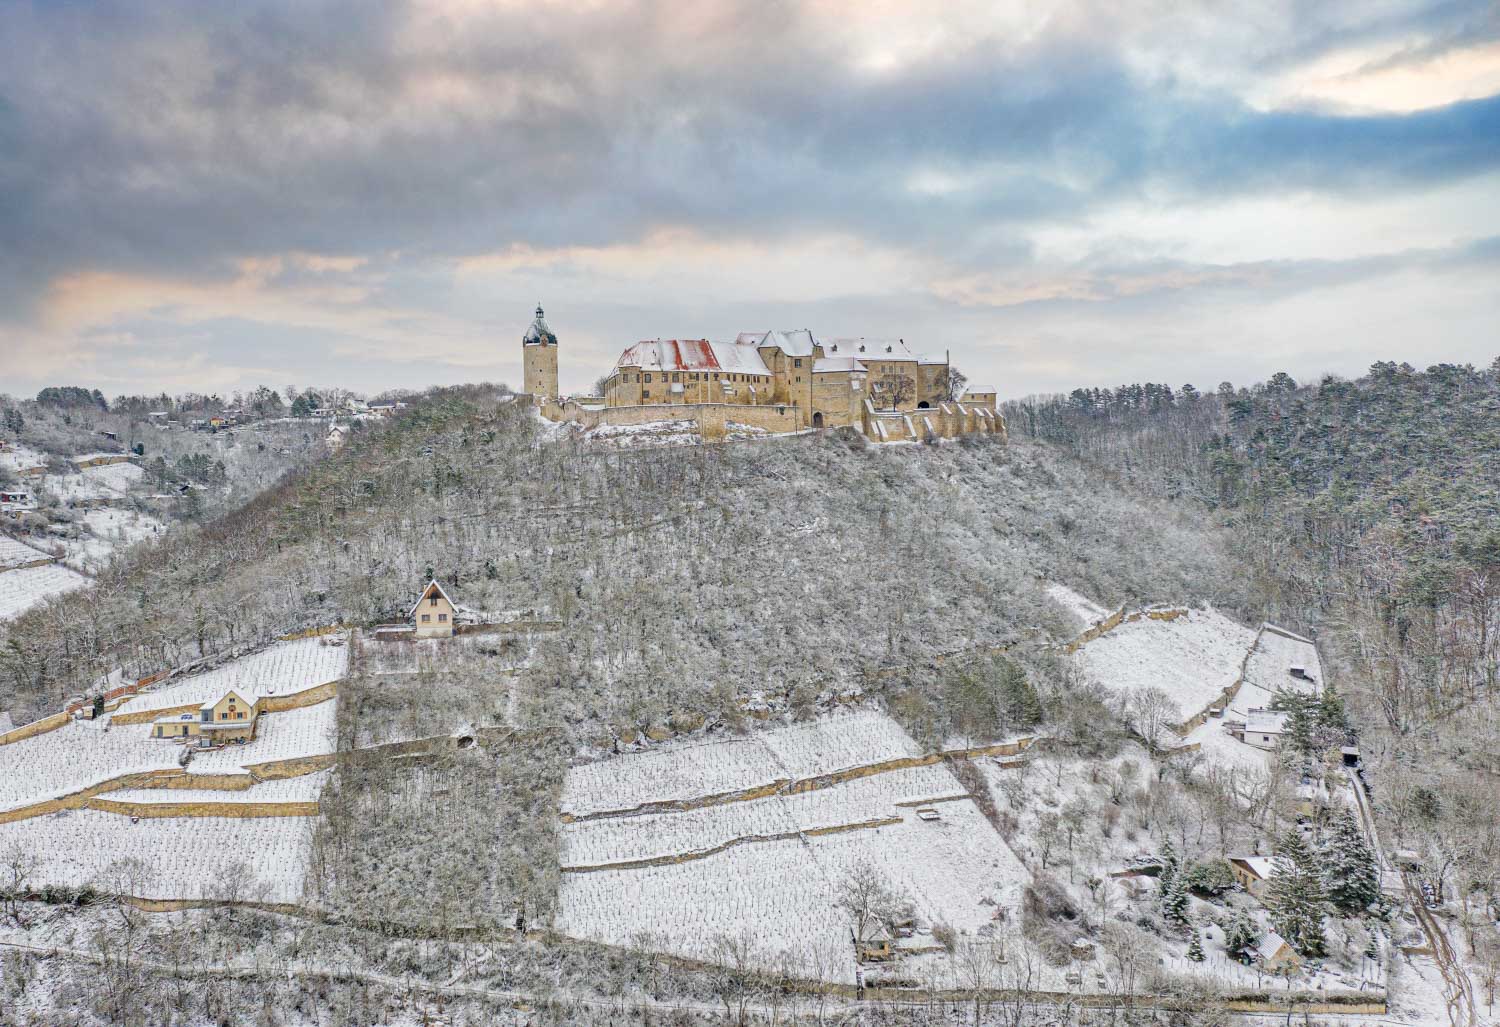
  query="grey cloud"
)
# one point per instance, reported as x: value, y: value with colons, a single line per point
x: 177, y: 138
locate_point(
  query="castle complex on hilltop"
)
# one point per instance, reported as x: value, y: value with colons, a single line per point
x: 776, y: 381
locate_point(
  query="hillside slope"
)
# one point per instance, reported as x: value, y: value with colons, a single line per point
x: 682, y: 577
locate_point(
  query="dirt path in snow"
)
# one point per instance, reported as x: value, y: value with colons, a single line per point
x: 1458, y: 988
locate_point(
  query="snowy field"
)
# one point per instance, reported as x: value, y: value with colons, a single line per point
x: 740, y: 877
x: 75, y: 756
x: 14, y: 553
x: 263, y: 858
x: 292, y: 735
x: 22, y: 589
x: 714, y: 768
x: 86, y: 752
x: 1080, y: 606
x: 278, y: 669
x: 1193, y: 658
x: 652, y: 835
x: 782, y: 896
x: 20, y: 458
x: 110, y: 529
x: 773, y: 895
x: 1266, y: 671
x: 1269, y: 667
x: 111, y: 481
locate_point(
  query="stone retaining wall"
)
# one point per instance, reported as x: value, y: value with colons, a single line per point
x: 241, y: 810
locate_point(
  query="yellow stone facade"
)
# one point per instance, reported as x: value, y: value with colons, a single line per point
x: 881, y: 387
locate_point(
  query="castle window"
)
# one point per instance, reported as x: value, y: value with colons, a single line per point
x: 676, y: 377
x: 645, y: 394
x: 648, y: 379
x: 797, y: 363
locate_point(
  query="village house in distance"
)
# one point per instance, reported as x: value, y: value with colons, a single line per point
x: 774, y: 381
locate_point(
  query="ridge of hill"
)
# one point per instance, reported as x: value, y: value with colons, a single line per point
x: 791, y: 567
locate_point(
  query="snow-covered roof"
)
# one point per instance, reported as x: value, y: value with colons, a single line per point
x: 797, y: 342
x: 177, y: 717
x: 248, y: 698
x: 1263, y: 867
x: 875, y: 349
x: 1265, y: 722
x: 433, y: 584
x: 693, y: 355
x: 827, y: 365
x: 538, y: 333
x: 1268, y: 946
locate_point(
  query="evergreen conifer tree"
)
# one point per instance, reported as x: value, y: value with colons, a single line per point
x: 1349, y: 866
x: 1294, y: 897
x: 1174, y: 900
x: 1170, y: 865
x: 1239, y: 933
x: 1195, y: 948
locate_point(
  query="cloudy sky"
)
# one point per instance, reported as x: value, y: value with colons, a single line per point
x: 214, y: 196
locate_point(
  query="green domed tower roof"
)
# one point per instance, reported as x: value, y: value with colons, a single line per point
x: 539, y: 334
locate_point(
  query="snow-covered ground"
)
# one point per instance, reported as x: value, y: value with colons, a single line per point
x: 294, y: 734
x: 1266, y: 671
x: 1193, y: 658
x: 21, y: 458
x: 782, y: 896
x: 696, y: 769
x: 649, y: 433
x: 263, y: 858
x: 85, y: 752
x: 110, y: 481
x: 741, y: 877
x: 109, y: 529
x: 75, y: 756
x: 14, y: 553
x: 278, y: 669
x: 1080, y: 606
x: 25, y: 587
x: 652, y: 835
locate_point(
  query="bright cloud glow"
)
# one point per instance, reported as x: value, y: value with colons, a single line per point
x: 219, y: 196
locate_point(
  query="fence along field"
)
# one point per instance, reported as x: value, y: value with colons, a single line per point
x: 762, y: 875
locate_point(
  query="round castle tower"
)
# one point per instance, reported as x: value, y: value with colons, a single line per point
x: 539, y: 359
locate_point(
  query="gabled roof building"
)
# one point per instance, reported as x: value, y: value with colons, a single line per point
x: 772, y: 380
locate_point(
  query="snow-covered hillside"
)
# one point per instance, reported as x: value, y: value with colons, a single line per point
x: 767, y: 872
x: 1193, y: 657
x: 279, y: 669
x: 25, y: 587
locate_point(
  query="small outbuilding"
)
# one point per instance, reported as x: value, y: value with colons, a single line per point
x: 432, y: 614
x: 872, y: 942
x: 1273, y: 955
x: 1253, y: 872
x: 1264, y: 728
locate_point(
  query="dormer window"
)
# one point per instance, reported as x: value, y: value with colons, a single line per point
x: 861, y: 347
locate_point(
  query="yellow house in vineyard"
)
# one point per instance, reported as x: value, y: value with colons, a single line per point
x: 432, y: 614
x: 231, y: 718
x: 778, y: 381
